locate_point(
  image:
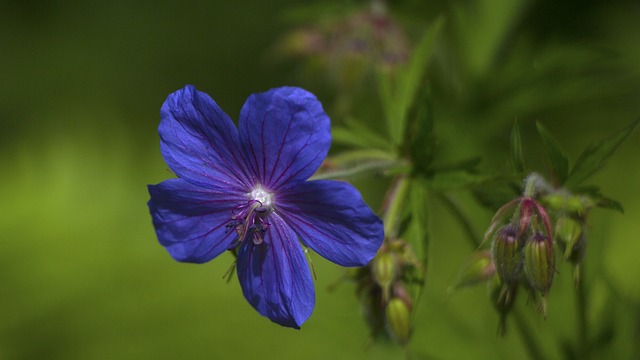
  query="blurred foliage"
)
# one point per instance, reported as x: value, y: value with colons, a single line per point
x: 82, y: 275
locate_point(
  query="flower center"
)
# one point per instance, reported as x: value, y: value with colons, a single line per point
x: 249, y: 220
x: 263, y: 197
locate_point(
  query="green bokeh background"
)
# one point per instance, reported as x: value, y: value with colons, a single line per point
x: 81, y: 84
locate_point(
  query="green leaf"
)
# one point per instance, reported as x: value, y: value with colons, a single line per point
x: 610, y: 204
x: 356, y: 134
x: 559, y: 160
x: 468, y: 164
x: 397, y: 100
x: 517, y: 159
x: 493, y: 194
x: 418, y: 231
x: 422, y: 140
x: 418, y: 204
x: 593, y: 158
x: 454, y: 180
x: 351, y: 157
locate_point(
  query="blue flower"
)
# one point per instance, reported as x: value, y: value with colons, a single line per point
x: 245, y: 188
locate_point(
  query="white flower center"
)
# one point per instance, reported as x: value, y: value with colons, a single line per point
x: 265, y: 198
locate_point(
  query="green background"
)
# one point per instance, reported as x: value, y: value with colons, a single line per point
x: 81, y: 83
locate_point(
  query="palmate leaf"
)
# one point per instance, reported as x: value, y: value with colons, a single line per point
x: 559, y: 160
x: 594, y: 156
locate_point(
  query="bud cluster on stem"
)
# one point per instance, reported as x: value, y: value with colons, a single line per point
x: 522, y: 249
x: 382, y: 289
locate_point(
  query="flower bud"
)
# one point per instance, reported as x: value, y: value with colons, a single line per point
x: 554, y: 201
x: 538, y: 262
x: 575, y: 204
x: 571, y: 237
x: 398, y: 317
x: 506, y: 254
x: 478, y: 268
x: 384, y: 272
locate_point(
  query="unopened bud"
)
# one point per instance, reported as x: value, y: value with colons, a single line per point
x: 384, y: 272
x: 506, y: 254
x: 478, y: 268
x: 554, y: 201
x: 568, y: 203
x: 575, y: 204
x: 538, y: 262
x: 570, y: 236
x: 398, y: 316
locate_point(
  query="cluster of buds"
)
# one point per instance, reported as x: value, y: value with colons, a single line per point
x: 521, y: 252
x: 522, y: 240
x: 383, y: 290
x: 524, y: 245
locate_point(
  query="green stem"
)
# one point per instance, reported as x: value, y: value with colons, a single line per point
x: 393, y: 213
x: 462, y: 218
x: 357, y: 170
x: 582, y: 345
x: 528, y: 338
x: 530, y: 185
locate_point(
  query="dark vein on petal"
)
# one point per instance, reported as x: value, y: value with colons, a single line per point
x: 230, y: 148
x: 317, y: 228
x: 282, y: 143
x: 263, y: 174
x: 198, y: 155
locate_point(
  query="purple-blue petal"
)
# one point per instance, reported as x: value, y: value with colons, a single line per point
x: 285, y: 134
x: 190, y: 220
x: 332, y: 219
x: 275, y: 277
x: 200, y: 143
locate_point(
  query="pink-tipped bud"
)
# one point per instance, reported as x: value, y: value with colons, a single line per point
x: 506, y: 254
x: 538, y: 262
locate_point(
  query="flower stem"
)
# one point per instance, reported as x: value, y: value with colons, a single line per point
x: 462, y: 218
x: 535, y: 183
x: 395, y: 205
x: 358, y: 170
x: 528, y: 337
x: 582, y: 345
